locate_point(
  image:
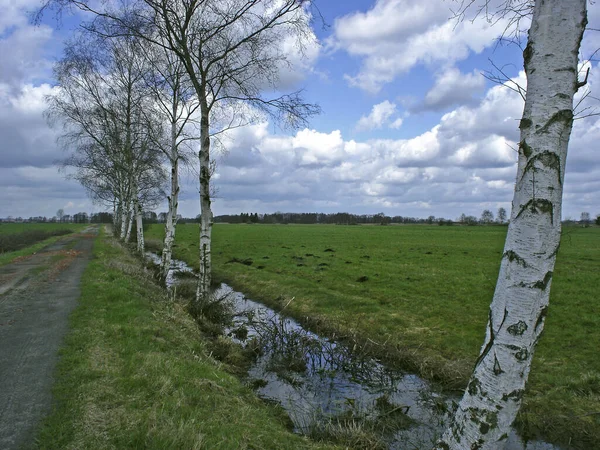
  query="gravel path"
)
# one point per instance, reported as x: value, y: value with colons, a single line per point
x: 37, y: 294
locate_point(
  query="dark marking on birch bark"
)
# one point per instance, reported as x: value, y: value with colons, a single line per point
x: 503, y: 319
x: 525, y: 123
x: 522, y: 354
x: 485, y: 419
x: 527, y: 54
x: 497, y: 369
x: 536, y: 205
x: 512, y: 256
x: 548, y: 159
x: 474, y: 386
x: 491, y: 419
x: 490, y: 342
x: 457, y: 431
x: 565, y: 69
x: 543, y: 284
x: 564, y: 115
x: 541, y: 317
x: 555, y: 252
x: 527, y: 150
x: 517, y: 329
x: 515, y: 395
x: 484, y: 427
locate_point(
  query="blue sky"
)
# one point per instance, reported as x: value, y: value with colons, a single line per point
x: 409, y: 126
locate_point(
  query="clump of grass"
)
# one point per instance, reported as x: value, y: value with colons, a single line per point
x: 153, y: 245
x: 349, y: 429
x: 586, y: 386
x: 217, y: 309
x: 245, y: 262
x: 291, y: 361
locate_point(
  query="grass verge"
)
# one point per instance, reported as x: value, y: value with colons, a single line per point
x: 135, y: 372
x: 419, y: 296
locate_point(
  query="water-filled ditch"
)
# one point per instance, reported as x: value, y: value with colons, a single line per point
x: 327, y: 387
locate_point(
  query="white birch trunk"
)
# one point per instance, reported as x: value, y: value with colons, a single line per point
x: 139, y: 231
x: 123, y: 230
x: 520, y: 303
x: 130, y: 217
x: 139, y: 226
x: 171, y: 220
x: 204, y: 281
x: 115, y: 218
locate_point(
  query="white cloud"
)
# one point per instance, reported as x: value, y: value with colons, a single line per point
x: 22, y: 53
x: 465, y: 163
x: 452, y: 87
x: 397, y: 123
x: 396, y: 35
x: 26, y: 138
x: 301, y: 61
x: 379, y: 116
x: 314, y: 148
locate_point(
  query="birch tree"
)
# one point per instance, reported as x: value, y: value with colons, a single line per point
x: 232, y: 51
x: 100, y: 105
x: 520, y: 302
x: 175, y: 104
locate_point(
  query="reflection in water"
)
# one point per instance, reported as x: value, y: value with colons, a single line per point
x: 316, y: 379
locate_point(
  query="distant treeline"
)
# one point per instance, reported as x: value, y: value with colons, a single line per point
x: 334, y: 218
x: 340, y: 218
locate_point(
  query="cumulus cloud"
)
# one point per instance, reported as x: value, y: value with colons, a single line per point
x: 395, y: 35
x: 451, y: 88
x: 301, y: 61
x: 27, y: 140
x: 379, y: 116
x: 465, y: 163
x: 22, y: 52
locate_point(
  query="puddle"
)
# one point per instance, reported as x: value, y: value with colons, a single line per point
x: 317, y: 380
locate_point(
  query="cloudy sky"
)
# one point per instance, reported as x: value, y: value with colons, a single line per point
x: 410, y: 126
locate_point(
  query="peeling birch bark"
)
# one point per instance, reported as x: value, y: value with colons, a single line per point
x: 520, y: 303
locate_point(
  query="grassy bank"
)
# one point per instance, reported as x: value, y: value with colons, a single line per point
x: 24, y: 239
x: 422, y: 293
x: 135, y: 373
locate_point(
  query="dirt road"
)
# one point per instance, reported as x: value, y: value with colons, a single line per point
x: 37, y: 294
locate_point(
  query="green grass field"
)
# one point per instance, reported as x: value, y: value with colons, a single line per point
x: 422, y: 293
x: 23, y: 239
x: 135, y: 373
